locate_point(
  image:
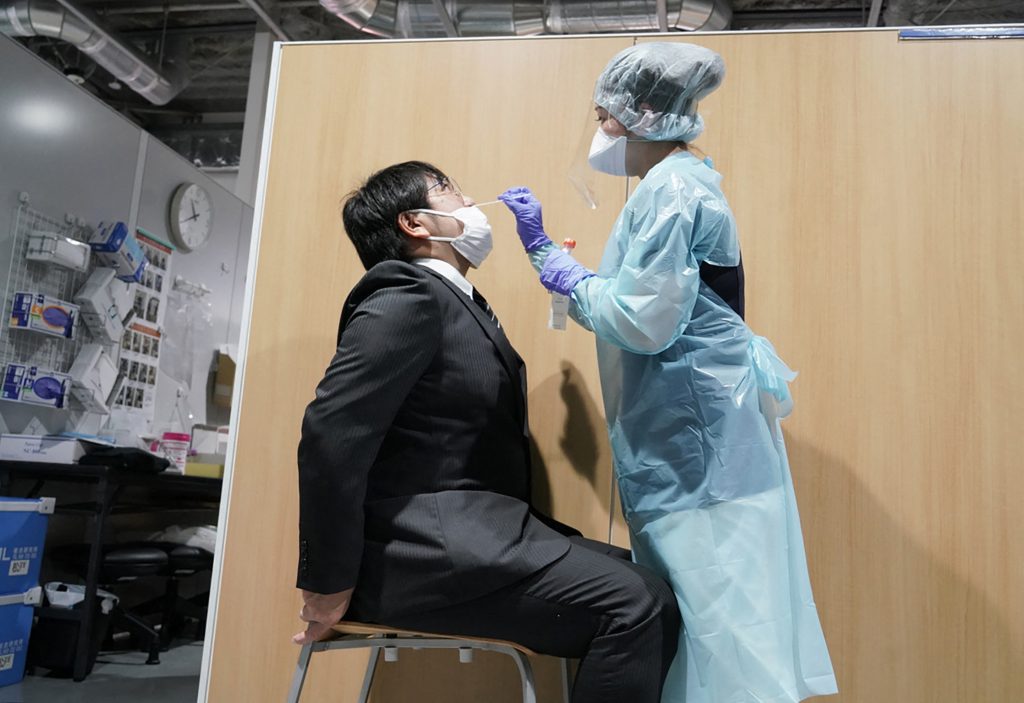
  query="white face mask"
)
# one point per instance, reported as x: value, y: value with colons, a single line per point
x: 475, y: 242
x: 608, y: 154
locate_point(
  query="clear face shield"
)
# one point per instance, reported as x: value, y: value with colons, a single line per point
x: 581, y: 174
x: 600, y: 162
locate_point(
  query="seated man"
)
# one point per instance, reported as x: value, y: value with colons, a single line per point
x: 414, y: 466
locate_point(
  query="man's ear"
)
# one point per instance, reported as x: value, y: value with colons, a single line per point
x: 411, y: 223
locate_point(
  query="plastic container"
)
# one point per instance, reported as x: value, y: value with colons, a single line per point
x: 23, y: 524
x: 16, y: 611
x: 173, y: 446
x: 55, y: 634
x: 22, y: 536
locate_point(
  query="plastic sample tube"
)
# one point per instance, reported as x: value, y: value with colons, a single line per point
x: 559, y: 302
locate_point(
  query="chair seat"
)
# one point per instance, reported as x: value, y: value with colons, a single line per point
x: 346, y: 627
x: 184, y: 558
x: 133, y: 562
x: 134, y: 555
x: 118, y: 562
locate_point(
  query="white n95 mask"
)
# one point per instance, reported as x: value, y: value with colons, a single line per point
x: 475, y: 242
x: 608, y: 154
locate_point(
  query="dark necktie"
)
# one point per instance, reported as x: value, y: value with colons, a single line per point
x: 482, y: 302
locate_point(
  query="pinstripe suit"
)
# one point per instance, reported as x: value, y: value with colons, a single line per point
x: 414, y: 461
x: 414, y: 485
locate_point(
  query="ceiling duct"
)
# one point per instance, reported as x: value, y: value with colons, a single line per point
x: 483, y: 18
x: 62, y: 20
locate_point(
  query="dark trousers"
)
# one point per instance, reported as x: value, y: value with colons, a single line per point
x: 619, y: 619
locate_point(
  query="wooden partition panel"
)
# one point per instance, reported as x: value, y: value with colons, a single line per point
x: 492, y: 115
x: 877, y: 187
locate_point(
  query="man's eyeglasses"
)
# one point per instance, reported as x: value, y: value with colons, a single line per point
x: 445, y: 186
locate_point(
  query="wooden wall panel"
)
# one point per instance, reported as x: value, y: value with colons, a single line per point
x: 877, y: 188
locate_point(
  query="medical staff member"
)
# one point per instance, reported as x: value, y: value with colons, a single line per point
x: 692, y: 397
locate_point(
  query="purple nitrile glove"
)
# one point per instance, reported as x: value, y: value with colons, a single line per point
x: 529, y: 225
x: 561, y: 272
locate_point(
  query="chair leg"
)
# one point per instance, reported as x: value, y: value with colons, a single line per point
x: 526, y: 674
x: 140, y: 628
x: 300, y: 673
x: 565, y: 680
x: 371, y: 669
x: 168, y: 613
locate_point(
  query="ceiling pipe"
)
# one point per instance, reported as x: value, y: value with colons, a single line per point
x: 178, y: 7
x: 60, y: 19
x: 418, y: 18
x: 262, y: 13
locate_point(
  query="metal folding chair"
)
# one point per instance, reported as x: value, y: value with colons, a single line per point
x: 387, y: 641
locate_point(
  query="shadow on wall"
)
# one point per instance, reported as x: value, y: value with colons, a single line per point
x: 583, y: 440
x: 892, y: 611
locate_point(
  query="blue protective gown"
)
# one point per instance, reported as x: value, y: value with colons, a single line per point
x: 693, y: 400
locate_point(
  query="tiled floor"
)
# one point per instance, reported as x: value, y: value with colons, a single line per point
x: 120, y: 677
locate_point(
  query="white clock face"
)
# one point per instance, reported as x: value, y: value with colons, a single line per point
x: 191, y: 216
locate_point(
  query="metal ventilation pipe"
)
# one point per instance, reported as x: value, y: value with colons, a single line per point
x: 423, y: 18
x: 62, y: 20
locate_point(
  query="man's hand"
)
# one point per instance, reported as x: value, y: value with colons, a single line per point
x: 322, y: 611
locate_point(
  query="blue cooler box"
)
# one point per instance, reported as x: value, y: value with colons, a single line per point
x: 22, y: 536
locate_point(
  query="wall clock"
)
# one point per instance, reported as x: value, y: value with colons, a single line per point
x: 191, y: 216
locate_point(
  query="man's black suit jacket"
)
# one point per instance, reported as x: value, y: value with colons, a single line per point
x: 414, y: 463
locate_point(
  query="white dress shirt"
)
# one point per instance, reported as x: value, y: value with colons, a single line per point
x: 448, y: 271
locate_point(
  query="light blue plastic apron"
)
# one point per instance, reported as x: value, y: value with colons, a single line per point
x: 738, y: 568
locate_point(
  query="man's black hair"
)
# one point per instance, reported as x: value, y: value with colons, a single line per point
x: 370, y: 214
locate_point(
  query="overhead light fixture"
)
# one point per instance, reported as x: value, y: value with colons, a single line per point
x: 115, y: 85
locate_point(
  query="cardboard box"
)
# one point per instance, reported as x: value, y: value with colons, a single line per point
x: 204, y: 469
x: 224, y: 381
x: 42, y: 313
x: 51, y: 247
x: 47, y: 448
x: 93, y: 376
x: 104, y: 303
x: 114, y: 246
x: 32, y: 384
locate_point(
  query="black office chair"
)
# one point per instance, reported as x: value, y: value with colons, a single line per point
x: 183, y: 562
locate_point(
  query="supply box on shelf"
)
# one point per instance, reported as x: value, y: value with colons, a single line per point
x: 43, y: 313
x: 114, y: 246
x: 32, y: 384
x: 54, y: 449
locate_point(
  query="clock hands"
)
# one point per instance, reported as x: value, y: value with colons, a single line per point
x: 195, y: 215
x: 191, y: 216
